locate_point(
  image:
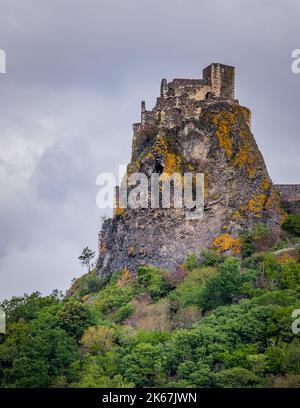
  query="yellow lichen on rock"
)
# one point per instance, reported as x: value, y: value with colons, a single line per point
x: 172, y: 165
x: 223, y: 121
x: 205, y: 187
x: 119, y: 211
x: 226, y: 242
x: 256, y: 205
x: 235, y: 215
x: 265, y: 184
x: 160, y: 147
x: 245, y: 156
x: 246, y: 114
x: 125, y: 279
x: 160, y: 116
x: 102, y: 248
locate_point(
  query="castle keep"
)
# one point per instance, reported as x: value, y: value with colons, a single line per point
x: 196, y: 126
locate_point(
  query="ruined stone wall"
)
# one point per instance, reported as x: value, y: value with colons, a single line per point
x: 188, y: 88
x: 289, y: 192
x: 290, y: 196
x: 185, y: 98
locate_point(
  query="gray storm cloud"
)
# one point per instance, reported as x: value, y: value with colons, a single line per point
x: 76, y: 72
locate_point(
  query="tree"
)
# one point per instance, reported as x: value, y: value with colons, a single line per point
x: 74, y: 318
x: 28, y: 306
x: 99, y: 340
x: 101, y: 371
x: 222, y: 288
x: 236, y: 377
x: 151, y: 279
x: 292, y: 224
x: 142, y: 365
x: 34, y: 354
x: 86, y: 258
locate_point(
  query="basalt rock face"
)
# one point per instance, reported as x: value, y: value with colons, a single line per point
x: 196, y: 126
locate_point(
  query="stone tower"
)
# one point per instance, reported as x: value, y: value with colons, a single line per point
x: 196, y: 125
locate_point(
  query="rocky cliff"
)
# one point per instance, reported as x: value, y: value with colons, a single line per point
x: 196, y: 126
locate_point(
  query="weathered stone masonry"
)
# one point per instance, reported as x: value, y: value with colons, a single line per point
x: 290, y: 195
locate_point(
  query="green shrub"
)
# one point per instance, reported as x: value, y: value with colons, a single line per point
x: 142, y: 365
x: 92, y: 285
x: 291, y: 361
x: 196, y: 374
x: 87, y: 284
x: 191, y: 262
x: 222, y: 288
x: 259, y: 231
x: 189, y: 290
x: 283, y: 276
x: 28, y: 306
x: 99, y: 339
x: 211, y: 258
x: 256, y: 239
x: 36, y: 353
x: 123, y: 313
x: 113, y: 296
x: 152, y: 280
x: 236, y: 377
x: 247, y: 247
x: 254, y: 261
x: 74, y: 318
x: 289, y: 276
x: 245, y: 339
x: 280, y: 245
x: 153, y: 337
x: 292, y: 224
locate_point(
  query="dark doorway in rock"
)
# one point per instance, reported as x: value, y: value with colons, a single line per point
x: 159, y: 168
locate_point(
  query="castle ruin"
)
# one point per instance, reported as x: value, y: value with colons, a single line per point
x: 197, y: 125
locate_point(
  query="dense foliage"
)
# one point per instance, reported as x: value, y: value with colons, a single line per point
x: 215, y: 322
x: 292, y: 224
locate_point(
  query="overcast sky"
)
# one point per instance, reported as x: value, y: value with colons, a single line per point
x: 76, y: 73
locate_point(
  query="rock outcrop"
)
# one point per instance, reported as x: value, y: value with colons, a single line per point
x: 196, y: 126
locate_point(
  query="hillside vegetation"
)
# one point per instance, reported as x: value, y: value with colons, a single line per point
x: 217, y: 321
